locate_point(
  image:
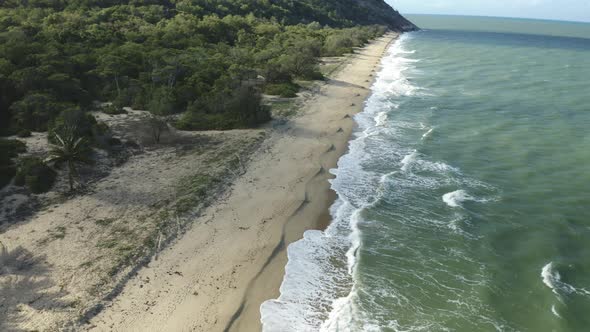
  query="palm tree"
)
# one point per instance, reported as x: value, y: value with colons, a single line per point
x: 70, y: 150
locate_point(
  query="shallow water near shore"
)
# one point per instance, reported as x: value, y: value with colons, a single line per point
x: 462, y: 202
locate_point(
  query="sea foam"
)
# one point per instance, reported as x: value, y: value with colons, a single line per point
x: 456, y: 198
x: 552, y: 279
x: 380, y: 119
x: 427, y: 134
x: 408, y: 160
x: 413, y: 161
x: 319, y: 285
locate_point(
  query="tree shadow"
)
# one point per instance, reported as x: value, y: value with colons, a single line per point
x: 346, y: 84
x: 17, y: 204
x: 24, y: 282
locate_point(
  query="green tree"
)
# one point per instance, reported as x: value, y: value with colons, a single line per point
x: 70, y: 150
x: 58, y: 54
x: 34, y: 111
x: 158, y: 126
x: 161, y: 108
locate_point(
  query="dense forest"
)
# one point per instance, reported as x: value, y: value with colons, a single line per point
x: 207, y: 59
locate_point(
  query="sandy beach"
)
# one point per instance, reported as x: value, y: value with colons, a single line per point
x: 216, y: 276
x: 186, y: 235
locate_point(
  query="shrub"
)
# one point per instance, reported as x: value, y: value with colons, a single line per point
x: 84, y: 123
x: 204, y: 121
x: 316, y: 76
x: 113, y: 110
x: 100, y: 129
x: 241, y: 109
x: 337, y: 44
x: 24, y: 133
x: 35, y: 174
x: 275, y: 73
x: 9, y: 149
x: 35, y: 185
x: 113, y: 141
x: 245, y: 104
x: 7, y: 172
x: 296, y: 57
x: 158, y: 126
x: 122, y: 100
x: 71, y: 118
x: 162, y: 102
x: 34, y: 111
x: 285, y: 90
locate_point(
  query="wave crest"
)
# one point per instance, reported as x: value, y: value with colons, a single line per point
x: 552, y: 279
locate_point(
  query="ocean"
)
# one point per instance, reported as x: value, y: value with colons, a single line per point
x: 463, y: 201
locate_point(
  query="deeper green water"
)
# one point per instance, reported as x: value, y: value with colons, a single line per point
x: 465, y: 194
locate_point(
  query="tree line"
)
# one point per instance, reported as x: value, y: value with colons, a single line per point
x: 206, y: 59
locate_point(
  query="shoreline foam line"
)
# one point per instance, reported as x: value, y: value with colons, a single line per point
x: 321, y: 266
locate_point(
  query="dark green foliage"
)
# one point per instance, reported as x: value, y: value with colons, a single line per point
x: 166, y: 56
x: 337, y: 44
x: 162, y: 102
x: 70, y: 148
x: 113, y: 141
x: 243, y: 105
x: 9, y: 149
x: 338, y: 13
x: 84, y: 124
x: 35, y: 174
x: 113, y: 110
x: 344, y: 40
x: 285, y: 90
x: 34, y: 111
x: 23, y: 133
x: 7, y: 172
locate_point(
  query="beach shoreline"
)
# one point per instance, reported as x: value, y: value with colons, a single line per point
x: 232, y: 259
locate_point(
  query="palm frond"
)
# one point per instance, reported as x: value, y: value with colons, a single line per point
x: 60, y: 140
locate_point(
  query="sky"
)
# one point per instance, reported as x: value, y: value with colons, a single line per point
x: 569, y: 10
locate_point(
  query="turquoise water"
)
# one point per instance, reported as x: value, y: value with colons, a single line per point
x: 463, y: 202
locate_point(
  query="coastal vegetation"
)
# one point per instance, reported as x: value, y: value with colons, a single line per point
x: 9, y: 149
x: 208, y: 62
x: 34, y: 173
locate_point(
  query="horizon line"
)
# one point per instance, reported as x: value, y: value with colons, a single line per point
x: 507, y: 17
